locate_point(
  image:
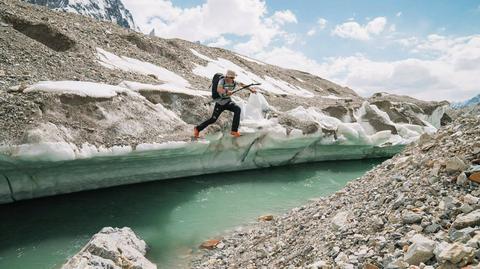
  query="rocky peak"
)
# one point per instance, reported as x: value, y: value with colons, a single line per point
x: 106, y: 10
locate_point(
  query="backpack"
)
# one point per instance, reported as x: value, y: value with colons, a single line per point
x: 216, y: 78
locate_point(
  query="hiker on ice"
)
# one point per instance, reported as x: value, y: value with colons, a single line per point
x: 222, y: 89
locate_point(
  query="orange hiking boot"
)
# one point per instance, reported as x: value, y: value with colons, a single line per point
x: 235, y: 134
x: 196, y: 133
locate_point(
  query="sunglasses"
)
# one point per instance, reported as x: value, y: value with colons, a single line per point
x: 231, y: 77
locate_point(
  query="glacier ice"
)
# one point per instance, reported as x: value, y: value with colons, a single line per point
x: 48, y: 165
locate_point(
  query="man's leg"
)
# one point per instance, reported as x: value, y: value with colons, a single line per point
x: 217, y: 110
x: 231, y: 106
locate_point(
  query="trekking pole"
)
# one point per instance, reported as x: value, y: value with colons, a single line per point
x: 244, y: 87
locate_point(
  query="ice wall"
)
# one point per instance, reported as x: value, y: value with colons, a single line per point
x: 25, y: 177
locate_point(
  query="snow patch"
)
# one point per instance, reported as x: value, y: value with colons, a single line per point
x: 201, y: 56
x: 112, y: 61
x: 331, y: 96
x: 166, y: 87
x: 249, y: 59
x: 80, y: 88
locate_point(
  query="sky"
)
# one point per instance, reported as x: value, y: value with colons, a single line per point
x: 425, y: 49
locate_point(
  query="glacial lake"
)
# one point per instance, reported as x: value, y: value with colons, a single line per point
x: 172, y: 216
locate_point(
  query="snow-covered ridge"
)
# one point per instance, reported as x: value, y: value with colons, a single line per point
x: 107, y: 10
x: 470, y: 102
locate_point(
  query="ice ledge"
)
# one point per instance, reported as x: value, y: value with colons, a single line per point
x: 36, y: 175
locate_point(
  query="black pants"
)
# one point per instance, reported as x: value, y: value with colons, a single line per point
x: 230, y: 106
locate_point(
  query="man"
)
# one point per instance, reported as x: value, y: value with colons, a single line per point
x: 225, y: 88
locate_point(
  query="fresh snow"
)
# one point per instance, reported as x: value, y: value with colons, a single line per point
x: 80, y: 88
x: 269, y: 84
x: 201, y: 56
x: 250, y: 59
x: 112, y: 61
x: 331, y: 96
x: 166, y: 87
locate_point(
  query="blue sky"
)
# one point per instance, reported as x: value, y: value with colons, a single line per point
x: 427, y: 49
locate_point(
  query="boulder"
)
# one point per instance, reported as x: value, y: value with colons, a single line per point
x: 265, y: 218
x: 470, y: 199
x: 112, y: 248
x: 210, y: 244
x: 341, y: 220
x: 455, y: 164
x: 468, y: 220
x: 420, y: 251
x: 319, y: 265
x: 369, y: 266
x: 411, y: 217
x: 456, y: 254
x: 462, y: 179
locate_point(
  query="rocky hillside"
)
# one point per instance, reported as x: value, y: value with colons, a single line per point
x: 105, y: 10
x: 108, y: 86
x: 420, y: 209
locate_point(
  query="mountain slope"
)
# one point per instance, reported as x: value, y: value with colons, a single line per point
x: 470, y: 102
x: 76, y: 48
x: 81, y: 91
x: 105, y: 10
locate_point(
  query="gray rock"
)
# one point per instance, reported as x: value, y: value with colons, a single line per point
x: 341, y: 220
x: 319, y: 265
x: 409, y: 217
x: 420, y: 251
x: 455, y: 164
x: 468, y: 220
x: 462, y: 235
x: 466, y: 208
x: 112, y: 248
x: 456, y: 254
x: 432, y: 228
x: 470, y: 199
x: 462, y: 179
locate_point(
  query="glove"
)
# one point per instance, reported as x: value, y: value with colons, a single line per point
x: 229, y: 93
x: 253, y: 90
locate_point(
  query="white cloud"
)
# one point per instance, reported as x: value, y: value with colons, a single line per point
x: 220, y: 42
x: 288, y: 58
x: 353, y: 30
x: 399, y: 14
x: 408, y: 41
x: 246, y: 18
x: 452, y: 75
x: 322, y: 23
x: 311, y: 32
x: 284, y: 16
x: 376, y: 26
